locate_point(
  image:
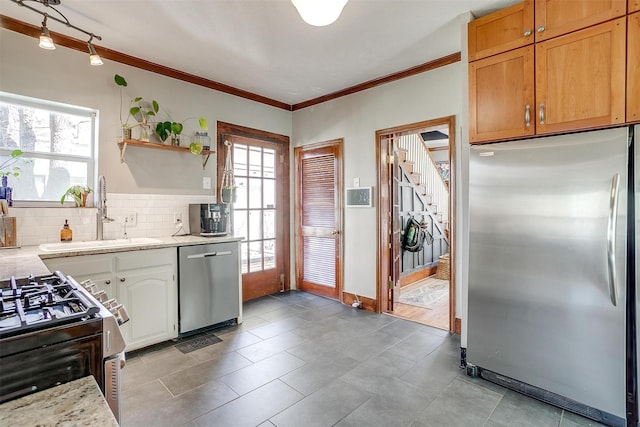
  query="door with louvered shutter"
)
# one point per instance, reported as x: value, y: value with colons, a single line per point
x: 319, y: 211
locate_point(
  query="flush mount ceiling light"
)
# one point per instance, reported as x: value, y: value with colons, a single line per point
x: 46, y: 42
x: 319, y: 12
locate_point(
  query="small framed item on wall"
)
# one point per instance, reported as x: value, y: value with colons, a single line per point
x: 359, y: 197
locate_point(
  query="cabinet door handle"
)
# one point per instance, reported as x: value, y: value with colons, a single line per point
x: 541, y: 113
x: 108, y: 281
x: 527, y: 33
x: 527, y: 115
x: 123, y: 279
x: 541, y: 28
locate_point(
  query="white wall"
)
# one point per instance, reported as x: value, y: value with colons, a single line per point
x: 64, y: 75
x: 356, y: 118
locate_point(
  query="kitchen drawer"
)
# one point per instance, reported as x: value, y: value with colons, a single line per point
x: 143, y: 259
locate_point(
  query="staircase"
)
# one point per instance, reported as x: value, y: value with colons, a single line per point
x: 418, y: 165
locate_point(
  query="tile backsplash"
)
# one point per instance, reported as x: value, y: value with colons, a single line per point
x: 154, y: 214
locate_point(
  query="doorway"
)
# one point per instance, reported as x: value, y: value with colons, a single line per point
x: 260, y: 214
x: 319, y: 213
x: 417, y: 284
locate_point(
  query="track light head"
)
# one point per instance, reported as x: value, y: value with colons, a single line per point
x: 46, y: 42
x: 94, y: 58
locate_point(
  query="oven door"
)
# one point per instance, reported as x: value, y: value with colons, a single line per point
x: 64, y: 354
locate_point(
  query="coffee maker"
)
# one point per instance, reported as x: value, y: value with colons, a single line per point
x: 208, y: 219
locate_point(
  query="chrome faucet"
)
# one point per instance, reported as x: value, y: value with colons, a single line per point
x: 102, y: 208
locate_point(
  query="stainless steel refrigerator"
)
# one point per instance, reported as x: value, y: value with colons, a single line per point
x: 551, y: 270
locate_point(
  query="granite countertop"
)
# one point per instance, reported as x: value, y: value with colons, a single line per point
x: 23, y: 261
x: 76, y: 403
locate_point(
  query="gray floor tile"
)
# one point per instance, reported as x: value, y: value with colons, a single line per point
x: 312, y: 376
x: 365, y: 346
x: 434, y: 372
x: 143, y: 397
x: 461, y: 404
x: 374, y: 374
x: 181, y: 410
x: 194, y: 376
x: 569, y: 419
x: 253, y: 408
x: 323, y: 408
x: 417, y: 345
x: 258, y: 374
x: 516, y: 410
x: 400, y: 328
x: 395, y: 403
x: 271, y: 346
x: 143, y: 371
x: 230, y: 342
x: 299, y: 359
x: 278, y: 327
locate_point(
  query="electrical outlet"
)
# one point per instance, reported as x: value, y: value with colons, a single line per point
x: 177, y: 218
x: 132, y: 219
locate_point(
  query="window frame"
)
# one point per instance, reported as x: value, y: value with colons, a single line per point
x: 91, y: 160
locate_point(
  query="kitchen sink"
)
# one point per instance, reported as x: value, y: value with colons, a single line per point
x: 97, y: 244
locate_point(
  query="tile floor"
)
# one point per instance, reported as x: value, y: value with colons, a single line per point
x: 301, y: 360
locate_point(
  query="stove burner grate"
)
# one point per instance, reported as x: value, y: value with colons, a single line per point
x: 32, y: 303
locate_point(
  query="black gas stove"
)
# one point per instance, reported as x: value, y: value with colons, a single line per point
x: 33, y: 303
x: 54, y: 330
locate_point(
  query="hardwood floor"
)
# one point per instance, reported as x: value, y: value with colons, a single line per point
x: 438, y: 317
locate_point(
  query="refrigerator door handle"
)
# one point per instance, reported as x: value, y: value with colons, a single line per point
x: 611, y: 238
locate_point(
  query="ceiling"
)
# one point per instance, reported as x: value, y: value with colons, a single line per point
x: 263, y: 46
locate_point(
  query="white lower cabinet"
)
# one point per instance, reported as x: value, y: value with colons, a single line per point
x: 143, y: 281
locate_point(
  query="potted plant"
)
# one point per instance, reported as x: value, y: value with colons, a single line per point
x: 78, y: 193
x: 138, y: 109
x: 172, y: 130
x: 9, y: 168
x: 228, y: 194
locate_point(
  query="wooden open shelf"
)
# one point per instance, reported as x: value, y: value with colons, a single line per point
x: 136, y: 143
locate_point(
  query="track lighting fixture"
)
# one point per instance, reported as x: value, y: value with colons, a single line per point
x: 94, y: 58
x: 46, y: 42
x: 45, y: 38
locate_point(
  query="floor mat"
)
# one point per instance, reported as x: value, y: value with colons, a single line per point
x: 428, y: 295
x: 197, y: 343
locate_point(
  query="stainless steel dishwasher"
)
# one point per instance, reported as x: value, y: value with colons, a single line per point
x: 208, y: 285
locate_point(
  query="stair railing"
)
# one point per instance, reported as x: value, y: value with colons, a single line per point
x: 430, y: 176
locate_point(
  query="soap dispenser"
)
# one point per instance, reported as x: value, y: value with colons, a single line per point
x: 66, y: 234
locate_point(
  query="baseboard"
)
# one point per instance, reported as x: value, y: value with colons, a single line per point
x: 368, y: 304
x: 418, y: 275
x: 457, y: 326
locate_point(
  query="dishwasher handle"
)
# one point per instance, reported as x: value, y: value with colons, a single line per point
x: 209, y: 254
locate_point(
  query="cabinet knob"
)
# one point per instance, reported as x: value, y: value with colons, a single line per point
x: 123, y: 279
x: 541, y: 28
x: 108, y: 281
x: 527, y: 33
x: 527, y: 115
x: 541, y: 113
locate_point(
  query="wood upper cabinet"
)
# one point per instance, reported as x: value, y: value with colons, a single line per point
x: 504, y: 30
x: 633, y: 67
x: 558, y: 17
x: 501, y: 96
x: 580, y: 79
x: 634, y: 6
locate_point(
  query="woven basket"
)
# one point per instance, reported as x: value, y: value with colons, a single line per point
x: 442, y: 271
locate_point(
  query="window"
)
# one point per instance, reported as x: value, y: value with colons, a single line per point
x: 58, y: 142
